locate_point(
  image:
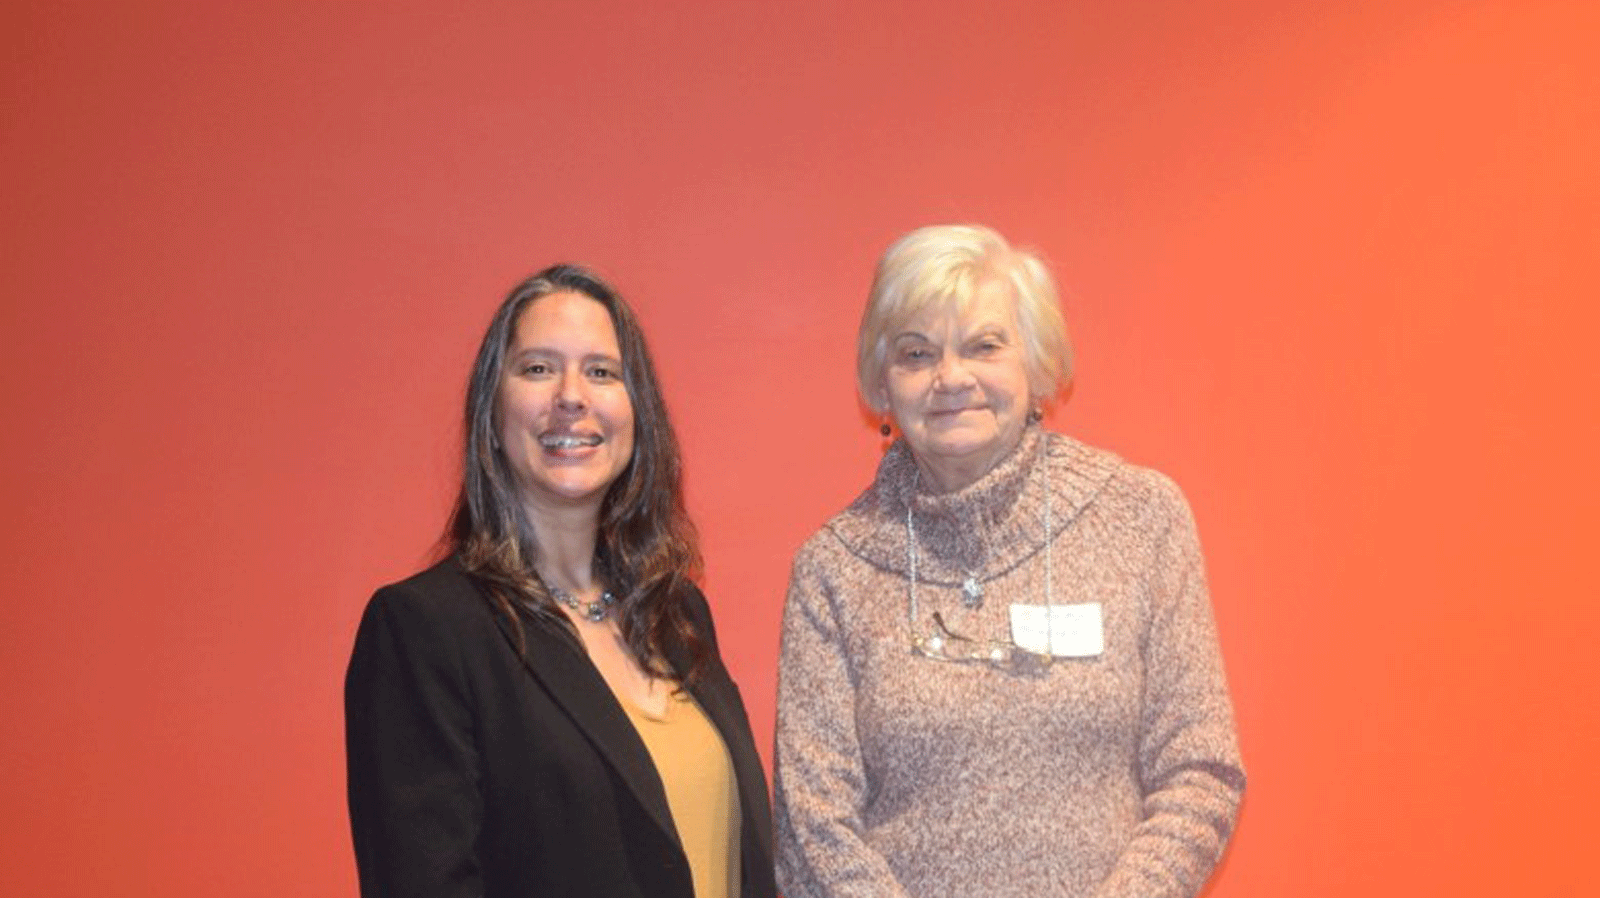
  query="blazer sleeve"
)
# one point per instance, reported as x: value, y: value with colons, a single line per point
x: 413, y: 771
x: 1188, y: 753
x: 819, y: 783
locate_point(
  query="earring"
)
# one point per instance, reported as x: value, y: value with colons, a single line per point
x: 884, y: 427
x: 1035, y: 415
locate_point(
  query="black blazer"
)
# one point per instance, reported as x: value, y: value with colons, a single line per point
x: 473, y: 772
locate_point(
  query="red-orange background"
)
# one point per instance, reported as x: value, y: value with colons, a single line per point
x: 1332, y: 265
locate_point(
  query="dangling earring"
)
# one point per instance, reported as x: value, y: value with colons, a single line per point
x: 884, y: 428
x: 1035, y: 415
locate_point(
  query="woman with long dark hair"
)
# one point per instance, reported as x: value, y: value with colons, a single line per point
x: 544, y: 712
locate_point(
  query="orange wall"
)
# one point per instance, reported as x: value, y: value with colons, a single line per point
x: 1333, y: 265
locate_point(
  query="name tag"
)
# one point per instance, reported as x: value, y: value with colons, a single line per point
x: 1065, y: 631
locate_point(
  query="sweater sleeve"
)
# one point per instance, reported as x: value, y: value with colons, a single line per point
x: 1188, y: 755
x: 415, y: 808
x: 818, y: 780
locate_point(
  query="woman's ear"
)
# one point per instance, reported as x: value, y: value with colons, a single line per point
x: 883, y: 405
x: 876, y: 396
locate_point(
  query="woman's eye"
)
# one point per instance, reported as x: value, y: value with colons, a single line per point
x: 916, y: 354
x: 536, y: 368
x: 604, y: 372
x: 988, y: 347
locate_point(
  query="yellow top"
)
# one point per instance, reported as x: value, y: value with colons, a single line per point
x: 698, y: 775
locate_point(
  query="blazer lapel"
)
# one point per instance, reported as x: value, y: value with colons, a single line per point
x: 569, y: 677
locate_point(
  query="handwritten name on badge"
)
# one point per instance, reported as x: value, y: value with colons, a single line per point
x: 1065, y: 631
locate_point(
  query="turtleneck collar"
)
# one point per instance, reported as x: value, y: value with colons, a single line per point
x: 983, y: 529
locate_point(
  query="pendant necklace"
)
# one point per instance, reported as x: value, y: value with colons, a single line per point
x: 971, y: 592
x: 596, y: 611
x: 971, y: 587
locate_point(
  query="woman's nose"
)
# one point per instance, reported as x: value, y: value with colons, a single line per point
x: 570, y: 393
x: 951, y: 374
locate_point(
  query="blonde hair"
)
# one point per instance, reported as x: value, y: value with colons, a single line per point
x: 944, y: 267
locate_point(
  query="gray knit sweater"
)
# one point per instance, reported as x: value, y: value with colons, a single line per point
x: 1114, y: 775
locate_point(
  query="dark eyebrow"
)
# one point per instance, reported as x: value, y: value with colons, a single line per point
x: 524, y: 352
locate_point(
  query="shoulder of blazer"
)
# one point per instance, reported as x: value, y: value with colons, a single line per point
x: 444, y: 595
x: 445, y: 577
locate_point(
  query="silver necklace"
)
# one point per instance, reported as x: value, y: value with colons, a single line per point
x: 971, y: 588
x: 597, y: 610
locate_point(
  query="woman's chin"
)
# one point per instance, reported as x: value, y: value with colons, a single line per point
x: 961, y: 443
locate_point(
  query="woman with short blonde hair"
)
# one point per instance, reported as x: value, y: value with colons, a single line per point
x: 944, y: 266
x: 999, y: 674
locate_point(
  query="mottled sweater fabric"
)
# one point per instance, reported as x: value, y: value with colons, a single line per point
x: 1111, y: 776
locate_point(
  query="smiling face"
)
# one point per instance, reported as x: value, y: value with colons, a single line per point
x: 955, y: 383
x: 564, y: 418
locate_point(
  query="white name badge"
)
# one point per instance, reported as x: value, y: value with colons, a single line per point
x: 1065, y: 631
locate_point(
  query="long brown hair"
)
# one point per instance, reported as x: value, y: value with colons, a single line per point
x: 646, y: 550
